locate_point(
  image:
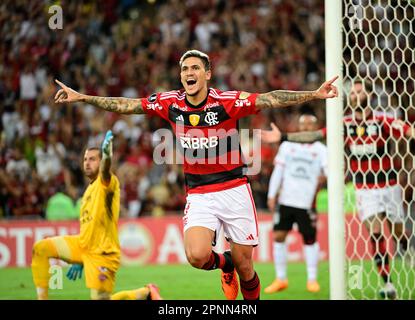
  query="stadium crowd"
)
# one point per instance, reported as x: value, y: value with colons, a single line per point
x: 131, y: 48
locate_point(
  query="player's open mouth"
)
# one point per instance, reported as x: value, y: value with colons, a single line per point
x: 190, y: 82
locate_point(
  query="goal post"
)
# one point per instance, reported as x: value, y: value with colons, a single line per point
x: 371, y: 42
x: 335, y: 179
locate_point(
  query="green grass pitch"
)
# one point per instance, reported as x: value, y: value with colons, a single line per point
x: 182, y: 282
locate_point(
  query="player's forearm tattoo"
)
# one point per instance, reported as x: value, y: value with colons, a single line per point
x: 119, y: 105
x: 283, y: 98
x: 305, y: 136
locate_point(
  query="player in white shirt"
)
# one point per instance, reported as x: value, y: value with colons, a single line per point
x: 295, y: 178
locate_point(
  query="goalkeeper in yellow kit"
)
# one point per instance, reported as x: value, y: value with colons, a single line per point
x: 96, y: 248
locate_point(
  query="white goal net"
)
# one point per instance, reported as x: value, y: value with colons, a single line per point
x: 379, y: 99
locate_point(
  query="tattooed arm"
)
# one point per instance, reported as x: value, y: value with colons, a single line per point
x: 119, y: 105
x: 305, y: 136
x: 283, y: 98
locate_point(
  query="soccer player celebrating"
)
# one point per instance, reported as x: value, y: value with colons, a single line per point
x: 204, y: 120
x: 379, y: 197
x: 96, y: 247
x: 298, y: 166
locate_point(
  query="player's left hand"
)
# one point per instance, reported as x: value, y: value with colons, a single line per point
x: 271, y: 136
x: 107, y: 144
x: 75, y: 272
x: 327, y: 90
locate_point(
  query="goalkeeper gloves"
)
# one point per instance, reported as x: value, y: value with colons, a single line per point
x: 75, y: 271
x: 107, y: 145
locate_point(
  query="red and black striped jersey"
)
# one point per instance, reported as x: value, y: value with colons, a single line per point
x: 367, y: 146
x: 207, y: 135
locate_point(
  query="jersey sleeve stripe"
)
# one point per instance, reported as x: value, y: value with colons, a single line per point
x: 216, y: 94
x: 222, y: 97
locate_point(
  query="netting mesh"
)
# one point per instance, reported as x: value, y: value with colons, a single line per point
x: 379, y: 51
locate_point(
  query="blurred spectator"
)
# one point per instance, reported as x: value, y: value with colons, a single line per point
x: 18, y: 166
x: 159, y: 196
x: 49, y: 158
x: 62, y: 207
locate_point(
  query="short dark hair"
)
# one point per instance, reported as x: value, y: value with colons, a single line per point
x: 198, y: 54
x: 92, y: 149
x: 307, y: 110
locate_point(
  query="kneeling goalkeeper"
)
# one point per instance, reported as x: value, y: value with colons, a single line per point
x: 96, y: 248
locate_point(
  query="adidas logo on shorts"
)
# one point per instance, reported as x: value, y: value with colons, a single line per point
x: 250, y: 237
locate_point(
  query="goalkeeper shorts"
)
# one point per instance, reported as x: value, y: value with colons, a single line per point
x: 99, y: 269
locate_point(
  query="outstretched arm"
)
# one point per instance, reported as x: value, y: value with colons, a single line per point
x: 305, y: 136
x: 118, y: 104
x: 275, y: 135
x: 105, y: 167
x: 284, y: 98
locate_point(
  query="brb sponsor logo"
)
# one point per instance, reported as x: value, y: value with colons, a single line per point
x: 199, y: 143
x: 136, y: 243
x: 363, y: 149
x: 213, y: 146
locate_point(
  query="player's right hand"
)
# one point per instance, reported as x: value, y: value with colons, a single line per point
x: 66, y: 94
x: 327, y: 90
x: 271, y: 136
x: 75, y: 272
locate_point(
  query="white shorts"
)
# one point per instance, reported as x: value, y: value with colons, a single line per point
x: 371, y: 202
x: 234, y: 209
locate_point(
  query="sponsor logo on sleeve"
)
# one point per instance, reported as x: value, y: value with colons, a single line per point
x: 242, y: 103
x: 152, y: 98
x: 154, y: 106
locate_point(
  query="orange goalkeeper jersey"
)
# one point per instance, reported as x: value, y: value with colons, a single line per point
x: 99, y: 217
